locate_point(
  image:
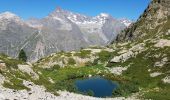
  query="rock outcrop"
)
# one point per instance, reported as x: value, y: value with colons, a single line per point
x: 163, y: 43
x: 28, y: 69
x: 132, y: 52
x: 2, y: 65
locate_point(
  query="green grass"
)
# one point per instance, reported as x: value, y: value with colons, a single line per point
x: 68, y: 54
x: 104, y: 56
x: 64, y: 73
x: 15, y: 81
x: 83, y: 54
x: 64, y: 77
x: 139, y: 76
x: 14, y: 76
x: 10, y: 63
x: 166, y: 26
x: 163, y: 93
x: 15, y: 84
x: 138, y: 72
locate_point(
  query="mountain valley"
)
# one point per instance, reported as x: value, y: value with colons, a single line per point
x: 61, y: 30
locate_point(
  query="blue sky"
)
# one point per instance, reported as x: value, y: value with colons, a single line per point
x: 130, y: 9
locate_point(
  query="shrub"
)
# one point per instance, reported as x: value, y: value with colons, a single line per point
x: 89, y: 63
x: 71, y: 61
x: 90, y: 93
x: 56, y: 67
x: 125, y: 89
x: 104, y: 56
x: 68, y: 54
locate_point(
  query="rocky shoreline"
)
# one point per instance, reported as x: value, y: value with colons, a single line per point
x: 37, y: 92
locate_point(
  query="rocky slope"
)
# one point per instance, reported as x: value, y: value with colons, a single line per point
x: 13, y: 33
x: 154, y: 21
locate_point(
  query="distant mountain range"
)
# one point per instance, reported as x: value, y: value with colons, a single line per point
x: 61, y: 30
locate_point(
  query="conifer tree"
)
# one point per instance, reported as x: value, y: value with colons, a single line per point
x: 22, y: 55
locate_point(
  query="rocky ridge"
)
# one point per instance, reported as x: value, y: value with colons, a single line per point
x: 61, y: 30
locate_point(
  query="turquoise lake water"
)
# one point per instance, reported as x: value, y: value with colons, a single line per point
x: 101, y: 87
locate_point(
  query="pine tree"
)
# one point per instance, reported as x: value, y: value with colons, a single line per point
x: 22, y: 55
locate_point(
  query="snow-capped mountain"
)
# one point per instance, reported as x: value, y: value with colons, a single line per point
x: 126, y: 22
x: 8, y: 15
x: 61, y: 30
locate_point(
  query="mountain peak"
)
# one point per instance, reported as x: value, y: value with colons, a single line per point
x: 126, y: 22
x: 104, y: 15
x: 59, y: 9
x: 8, y: 15
x: 58, y: 13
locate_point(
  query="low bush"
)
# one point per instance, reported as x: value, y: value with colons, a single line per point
x: 71, y: 61
x: 125, y: 89
x: 104, y: 56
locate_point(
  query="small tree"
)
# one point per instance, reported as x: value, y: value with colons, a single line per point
x: 22, y: 55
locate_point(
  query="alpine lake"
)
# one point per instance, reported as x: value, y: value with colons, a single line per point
x: 96, y: 86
